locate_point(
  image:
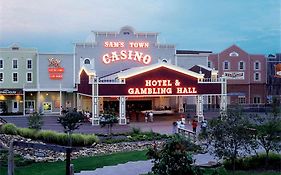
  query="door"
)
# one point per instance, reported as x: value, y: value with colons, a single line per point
x: 15, y: 106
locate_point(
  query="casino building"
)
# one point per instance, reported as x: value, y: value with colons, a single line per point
x: 124, y: 70
x: 127, y: 71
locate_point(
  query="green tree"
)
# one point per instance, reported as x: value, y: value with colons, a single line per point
x: 230, y: 136
x: 268, y: 133
x: 35, y: 121
x: 174, y: 158
x: 70, y: 122
x: 108, y: 118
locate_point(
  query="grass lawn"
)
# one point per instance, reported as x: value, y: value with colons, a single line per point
x: 86, y: 163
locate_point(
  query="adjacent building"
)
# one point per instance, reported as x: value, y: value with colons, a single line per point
x: 18, y: 69
x: 273, y: 77
x: 245, y: 73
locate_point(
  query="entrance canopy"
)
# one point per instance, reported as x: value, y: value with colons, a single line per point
x: 161, y: 79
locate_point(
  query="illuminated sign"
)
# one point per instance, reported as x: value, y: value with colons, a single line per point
x: 278, y: 70
x: 54, y: 69
x: 234, y: 75
x: 162, y: 87
x: 126, y: 54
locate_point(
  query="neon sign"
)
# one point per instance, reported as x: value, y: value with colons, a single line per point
x: 55, y: 70
x: 162, y: 87
x: 126, y: 54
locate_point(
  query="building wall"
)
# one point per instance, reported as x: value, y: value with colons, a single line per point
x: 22, y: 55
x: 67, y: 80
x: 189, y: 60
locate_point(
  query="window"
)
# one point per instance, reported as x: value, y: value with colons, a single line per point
x: 15, y: 64
x: 241, y: 65
x: 210, y: 64
x: 226, y: 65
x: 87, y: 61
x: 29, y: 64
x: 1, y: 64
x: 1, y: 77
x: 257, y: 65
x: 29, y: 77
x: 257, y: 76
x: 241, y: 99
x: 234, y: 54
x: 257, y: 100
x: 15, y: 77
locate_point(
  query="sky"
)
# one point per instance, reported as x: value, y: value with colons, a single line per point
x: 213, y: 25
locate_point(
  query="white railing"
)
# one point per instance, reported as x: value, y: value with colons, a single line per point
x: 187, y: 133
x: 211, y: 80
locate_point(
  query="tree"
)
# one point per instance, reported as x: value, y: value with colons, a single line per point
x: 70, y: 122
x: 268, y: 133
x: 230, y: 136
x: 35, y: 121
x: 108, y: 119
x: 173, y: 158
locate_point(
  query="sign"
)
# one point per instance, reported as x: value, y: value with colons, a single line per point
x: 124, y: 55
x: 10, y: 91
x: 234, y: 75
x: 54, y: 69
x: 162, y: 87
x: 278, y: 70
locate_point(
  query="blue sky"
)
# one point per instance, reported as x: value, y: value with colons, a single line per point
x: 53, y: 25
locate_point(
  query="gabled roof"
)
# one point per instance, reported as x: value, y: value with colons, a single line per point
x: 234, y: 48
x: 139, y: 70
x: 87, y: 70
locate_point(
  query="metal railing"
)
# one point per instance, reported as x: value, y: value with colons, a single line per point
x: 187, y: 133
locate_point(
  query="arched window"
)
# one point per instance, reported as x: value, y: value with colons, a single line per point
x: 241, y: 65
x: 257, y: 65
x: 226, y: 65
x: 165, y: 60
x: 87, y: 61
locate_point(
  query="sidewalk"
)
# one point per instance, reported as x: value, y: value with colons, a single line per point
x: 141, y: 167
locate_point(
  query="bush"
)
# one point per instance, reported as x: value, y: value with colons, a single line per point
x: 9, y: 128
x: 28, y: 133
x: 257, y: 162
x: 35, y: 121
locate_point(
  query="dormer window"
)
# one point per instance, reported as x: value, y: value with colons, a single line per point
x: 126, y: 33
x: 234, y: 54
x: 87, y: 61
x: 164, y: 60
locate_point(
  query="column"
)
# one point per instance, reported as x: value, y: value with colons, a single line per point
x: 180, y: 104
x: 122, y: 110
x: 60, y: 100
x: 39, y: 102
x: 95, y: 101
x: 223, y: 103
x: 78, y: 102
x: 199, y: 108
x: 23, y: 102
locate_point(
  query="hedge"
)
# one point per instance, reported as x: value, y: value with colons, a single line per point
x: 257, y: 162
x: 48, y: 136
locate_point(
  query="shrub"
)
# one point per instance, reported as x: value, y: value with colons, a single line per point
x: 9, y: 128
x: 28, y: 133
x: 47, y: 136
x: 35, y: 121
x: 257, y: 162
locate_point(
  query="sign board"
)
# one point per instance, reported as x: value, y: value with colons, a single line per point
x: 126, y: 55
x: 54, y: 69
x: 11, y: 91
x: 234, y: 75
